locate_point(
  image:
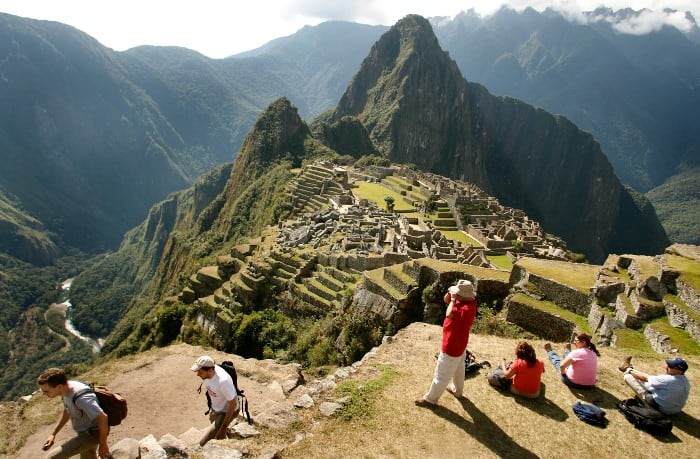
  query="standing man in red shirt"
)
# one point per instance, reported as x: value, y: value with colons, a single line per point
x: 459, y: 317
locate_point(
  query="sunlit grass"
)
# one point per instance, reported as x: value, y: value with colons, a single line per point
x: 690, y: 269
x: 501, y: 261
x: 547, y: 306
x: 578, y: 275
x: 461, y: 236
x: 376, y: 192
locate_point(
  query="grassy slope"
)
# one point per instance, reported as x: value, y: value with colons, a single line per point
x: 488, y: 423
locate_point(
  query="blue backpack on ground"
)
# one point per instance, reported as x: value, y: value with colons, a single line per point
x: 590, y: 413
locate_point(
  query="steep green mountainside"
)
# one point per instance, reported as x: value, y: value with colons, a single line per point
x: 236, y: 206
x: 677, y: 203
x: 637, y: 94
x: 145, y: 122
x: 418, y: 109
x: 24, y: 235
x: 313, y: 65
x: 87, y: 151
x: 84, y: 151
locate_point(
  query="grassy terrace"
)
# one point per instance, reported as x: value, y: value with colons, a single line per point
x: 683, y: 307
x: 633, y: 340
x: 377, y: 276
x: 462, y: 237
x: 578, y: 275
x: 551, y: 308
x: 647, y: 265
x: 679, y: 338
x: 482, y: 273
x: 501, y: 261
x: 376, y: 192
x: 690, y: 269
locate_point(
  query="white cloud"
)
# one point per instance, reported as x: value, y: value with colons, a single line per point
x: 652, y: 21
x: 219, y: 28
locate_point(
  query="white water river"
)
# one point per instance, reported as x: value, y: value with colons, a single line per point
x: 96, y: 345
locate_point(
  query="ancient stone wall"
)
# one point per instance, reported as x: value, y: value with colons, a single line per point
x: 563, y: 295
x: 541, y: 323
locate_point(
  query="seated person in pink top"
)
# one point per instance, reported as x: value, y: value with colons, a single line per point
x: 525, y: 372
x: 579, y: 368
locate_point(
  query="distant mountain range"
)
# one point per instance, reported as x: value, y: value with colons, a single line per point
x: 94, y: 141
x: 108, y: 134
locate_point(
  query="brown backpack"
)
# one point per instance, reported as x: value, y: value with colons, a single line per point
x: 112, y: 403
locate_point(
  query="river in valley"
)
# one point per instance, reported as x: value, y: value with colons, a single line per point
x: 96, y: 345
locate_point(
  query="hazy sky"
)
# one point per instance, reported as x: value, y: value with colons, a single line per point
x: 219, y: 28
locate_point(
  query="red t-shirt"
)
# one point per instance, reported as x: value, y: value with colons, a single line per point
x: 455, y: 330
x: 527, y: 379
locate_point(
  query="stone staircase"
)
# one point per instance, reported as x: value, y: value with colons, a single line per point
x: 313, y: 187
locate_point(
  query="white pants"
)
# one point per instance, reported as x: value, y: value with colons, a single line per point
x: 447, y: 368
x: 639, y: 387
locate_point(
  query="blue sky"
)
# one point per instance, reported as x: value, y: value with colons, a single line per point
x: 220, y: 28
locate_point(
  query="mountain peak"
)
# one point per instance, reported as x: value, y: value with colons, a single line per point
x: 278, y: 132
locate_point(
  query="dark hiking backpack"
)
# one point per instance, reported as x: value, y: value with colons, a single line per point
x: 590, y: 413
x: 228, y: 366
x: 471, y: 365
x: 112, y: 403
x: 645, y: 418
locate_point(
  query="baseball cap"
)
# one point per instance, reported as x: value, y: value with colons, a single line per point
x: 677, y: 364
x: 203, y: 362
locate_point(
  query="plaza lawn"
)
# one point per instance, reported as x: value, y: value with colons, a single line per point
x: 376, y: 192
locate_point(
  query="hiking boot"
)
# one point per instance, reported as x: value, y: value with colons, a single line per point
x: 548, y: 347
x: 626, y: 363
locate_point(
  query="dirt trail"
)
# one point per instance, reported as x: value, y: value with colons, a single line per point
x: 162, y: 396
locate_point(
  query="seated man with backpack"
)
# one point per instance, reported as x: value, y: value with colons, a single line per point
x: 222, y: 393
x: 667, y: 393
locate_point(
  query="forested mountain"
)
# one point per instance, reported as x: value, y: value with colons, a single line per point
x: 421, y: 111
x: 92, y: 138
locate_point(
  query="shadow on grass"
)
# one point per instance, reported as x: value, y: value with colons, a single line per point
x: 540, y: 405
x: 597, y: 396
x: 484, y: 430
x: 687, y: 423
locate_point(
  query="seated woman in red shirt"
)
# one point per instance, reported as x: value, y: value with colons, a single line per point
x: 523, y: 376
x: 526, y: 371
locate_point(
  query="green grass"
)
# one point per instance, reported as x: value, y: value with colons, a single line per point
x: 633, y: 340
x: 501, y: 261
x: 548, y: 306
x: 364, y: 394
x: 577, y: 275
x: 679, y: 338
x: 461, y: 237
x: 683, y: 307
x: 376, y: 193
x: 689, y: 269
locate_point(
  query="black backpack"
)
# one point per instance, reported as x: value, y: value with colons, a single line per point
x: 645, y: 418
x: 471, y: 365
x: 228, y: 366
x: 112, y: 403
